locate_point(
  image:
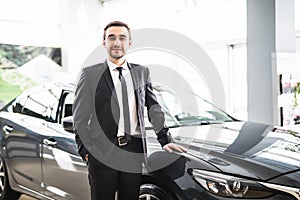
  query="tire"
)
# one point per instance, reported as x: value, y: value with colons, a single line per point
x: 153, y: 192
x: 6, y: 193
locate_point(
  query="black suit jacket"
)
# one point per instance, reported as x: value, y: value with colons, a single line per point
x: 96, y: 110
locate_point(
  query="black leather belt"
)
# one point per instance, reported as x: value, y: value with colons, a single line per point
x: 122, y: 141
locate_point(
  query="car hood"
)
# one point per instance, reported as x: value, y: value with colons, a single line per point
x: 254, y: 150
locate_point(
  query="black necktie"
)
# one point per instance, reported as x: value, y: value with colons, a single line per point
x: 125, y: 103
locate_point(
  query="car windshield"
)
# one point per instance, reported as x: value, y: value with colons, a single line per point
x: 186, y: 108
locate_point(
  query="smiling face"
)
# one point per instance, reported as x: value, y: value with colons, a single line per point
x: 117, y: 41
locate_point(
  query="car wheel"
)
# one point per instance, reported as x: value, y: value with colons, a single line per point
x: 5, y: 191
x: 153, y: 192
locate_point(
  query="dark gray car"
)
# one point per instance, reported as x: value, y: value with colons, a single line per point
x: 226, y: 158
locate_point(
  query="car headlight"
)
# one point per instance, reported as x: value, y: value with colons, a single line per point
x: 229, y: 186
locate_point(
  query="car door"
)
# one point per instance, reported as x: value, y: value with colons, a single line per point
x: 25, y: 124
x: 65, y: 174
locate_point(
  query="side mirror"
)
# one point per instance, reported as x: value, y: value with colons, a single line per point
x: 67, y: 123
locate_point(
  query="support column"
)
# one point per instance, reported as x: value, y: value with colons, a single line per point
x: 270, y: 29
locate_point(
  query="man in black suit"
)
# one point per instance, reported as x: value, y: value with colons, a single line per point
x: 108, y: 113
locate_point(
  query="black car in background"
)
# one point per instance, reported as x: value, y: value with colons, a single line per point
x: 226, y: 158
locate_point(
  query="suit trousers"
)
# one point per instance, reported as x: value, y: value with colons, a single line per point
x: 124, y: 177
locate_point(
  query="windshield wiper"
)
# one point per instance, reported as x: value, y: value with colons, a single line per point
x: 210, y: 122
x: 199, y: 123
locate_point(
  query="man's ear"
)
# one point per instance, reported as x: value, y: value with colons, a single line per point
x: 130, y: 42
x: 103, y: 42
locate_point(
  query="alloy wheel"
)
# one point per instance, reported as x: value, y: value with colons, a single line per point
x: 148, y: 197
x: 2, y: 177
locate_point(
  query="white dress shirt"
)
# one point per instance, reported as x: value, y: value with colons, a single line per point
x: 131, y: 96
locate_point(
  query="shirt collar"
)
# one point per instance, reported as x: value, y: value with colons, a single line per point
x: 112, y: 66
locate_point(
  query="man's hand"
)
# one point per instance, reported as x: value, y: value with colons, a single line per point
x: 172, y: 146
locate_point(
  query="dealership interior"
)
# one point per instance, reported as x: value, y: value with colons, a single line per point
x: 243, y: 55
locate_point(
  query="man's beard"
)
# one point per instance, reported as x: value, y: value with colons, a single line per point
x: 116, y: 56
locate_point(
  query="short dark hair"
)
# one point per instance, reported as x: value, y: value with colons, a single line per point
x: 116, y: 23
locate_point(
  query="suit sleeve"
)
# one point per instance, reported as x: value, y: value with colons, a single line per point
x: 81, y: 113
x: 156, y: 115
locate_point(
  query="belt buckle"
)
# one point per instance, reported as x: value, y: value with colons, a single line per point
x: 122, y: 141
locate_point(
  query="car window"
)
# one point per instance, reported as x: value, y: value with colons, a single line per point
x: 190, y: 109
x: 65, y: 109
x: 40, y: 104
x: 169, y: 103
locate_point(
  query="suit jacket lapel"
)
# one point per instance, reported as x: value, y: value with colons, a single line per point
x: 109, y: 82
x: 136, y: 84
x: 135, y: 80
